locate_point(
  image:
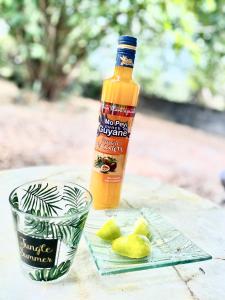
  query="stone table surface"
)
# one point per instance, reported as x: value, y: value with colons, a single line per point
x: 199, y: 219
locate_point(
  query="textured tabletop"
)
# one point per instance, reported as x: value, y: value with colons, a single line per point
x: 199, y: 219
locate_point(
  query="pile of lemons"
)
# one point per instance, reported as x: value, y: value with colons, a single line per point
x: 135, y: 245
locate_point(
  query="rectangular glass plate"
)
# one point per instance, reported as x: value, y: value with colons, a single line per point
x: 169, y: 246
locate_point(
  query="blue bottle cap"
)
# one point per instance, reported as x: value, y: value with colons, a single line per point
x: 127, y: 40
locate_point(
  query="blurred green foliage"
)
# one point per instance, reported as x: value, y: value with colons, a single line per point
x: 46, y: 41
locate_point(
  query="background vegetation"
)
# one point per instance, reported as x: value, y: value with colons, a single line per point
x: 53, y: 45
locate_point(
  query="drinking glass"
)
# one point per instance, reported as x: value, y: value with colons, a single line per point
x: 49, y: 217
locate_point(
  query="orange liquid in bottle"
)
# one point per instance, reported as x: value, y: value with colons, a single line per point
x: 118, y: 102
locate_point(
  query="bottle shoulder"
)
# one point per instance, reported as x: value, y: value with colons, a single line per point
x: 120, y: 81
x: 120, y: 91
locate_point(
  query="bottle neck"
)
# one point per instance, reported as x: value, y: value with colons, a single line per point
x: 124, y: 62
x: 123, y: 72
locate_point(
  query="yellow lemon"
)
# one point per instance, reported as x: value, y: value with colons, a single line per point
x: 109, y: 231
x: 133, y: 246
x: 141, y: 227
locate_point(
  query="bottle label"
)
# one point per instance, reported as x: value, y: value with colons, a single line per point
x: 125, y: 57
x: 113, y: 134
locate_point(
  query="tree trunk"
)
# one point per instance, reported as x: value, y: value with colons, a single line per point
x: 52, y: 86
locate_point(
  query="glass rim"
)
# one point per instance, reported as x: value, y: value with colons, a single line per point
x: 51, y: 217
